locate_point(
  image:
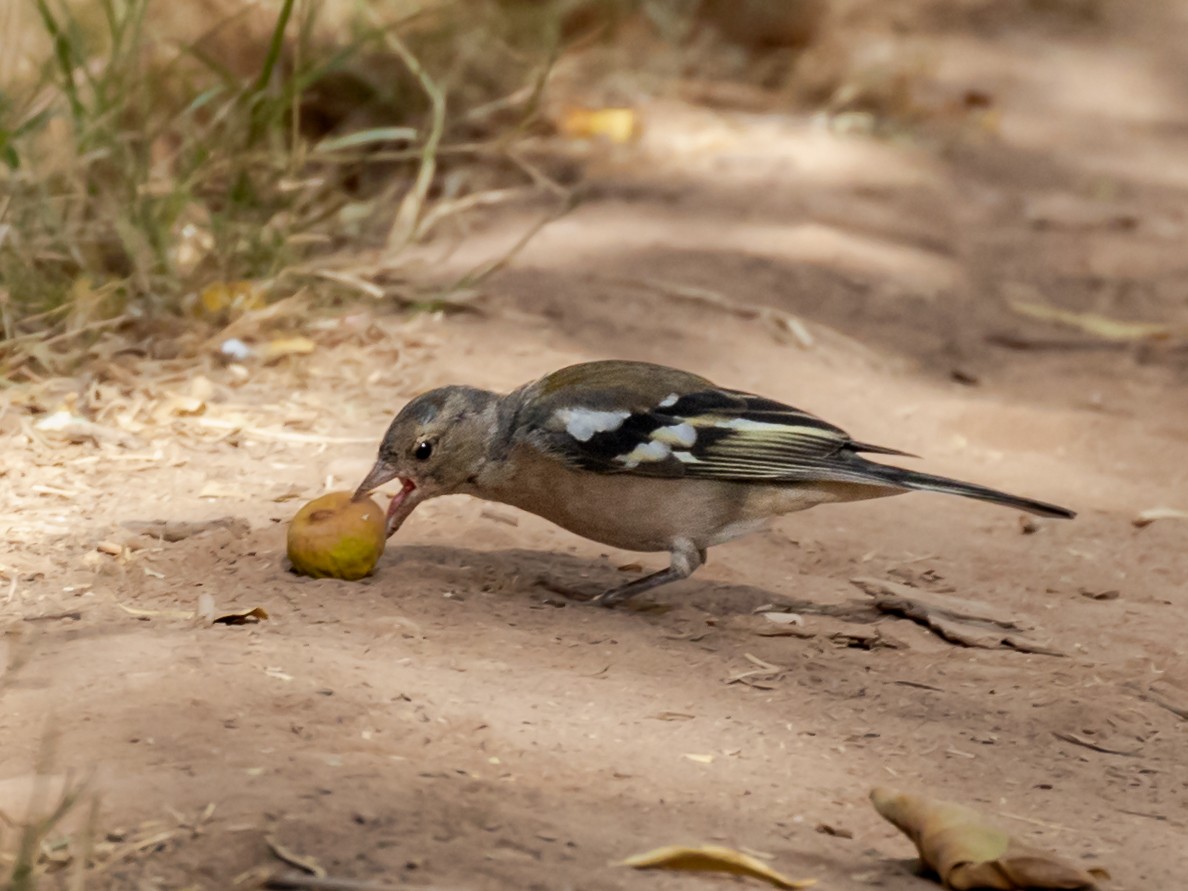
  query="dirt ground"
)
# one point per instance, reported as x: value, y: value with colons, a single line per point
x: 450, y: 723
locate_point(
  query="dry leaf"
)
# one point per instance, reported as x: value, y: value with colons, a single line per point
x: 967, y: 852
x: 1150, y: 515
x: 243, y: 617
x: 958, y: 620
x: 712, y: 858
x: 1091, y: 323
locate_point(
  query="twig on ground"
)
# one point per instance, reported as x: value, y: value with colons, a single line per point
x: 307, y: 865
x: 1096, y: 747
x: 295, y: 881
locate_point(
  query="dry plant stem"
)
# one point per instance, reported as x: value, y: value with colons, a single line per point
x: 35, y: 829
x: 307, y: 865
x: 84, y: 848
x: 446, y: 209
x: 275, y: 46
x: 1089, y: 744
x: 780, y: 323
x: 404, y: 229
x: 537, y: 175
x: 480, y: 273
x: 1158, y: 700
x: 39, y: 336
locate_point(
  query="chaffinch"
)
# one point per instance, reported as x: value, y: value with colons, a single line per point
x: 639, y: 457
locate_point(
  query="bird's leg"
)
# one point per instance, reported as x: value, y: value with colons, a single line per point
x: 686, y: 558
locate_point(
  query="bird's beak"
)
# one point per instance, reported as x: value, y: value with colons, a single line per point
x: 381, y: 473
x: 402, y: 503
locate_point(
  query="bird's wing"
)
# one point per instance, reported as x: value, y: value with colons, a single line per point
x: 680, y: 425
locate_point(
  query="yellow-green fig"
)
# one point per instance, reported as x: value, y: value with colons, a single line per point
x: 336, y: 537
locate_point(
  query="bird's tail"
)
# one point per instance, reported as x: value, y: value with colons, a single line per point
x: 927, y: 482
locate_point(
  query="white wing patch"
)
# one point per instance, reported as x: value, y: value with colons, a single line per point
x: 583, y: 423
x: 645, y: 451
x: 669, y: 401
x: 683, y: 434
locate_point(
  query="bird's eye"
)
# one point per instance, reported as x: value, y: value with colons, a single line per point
x: 423, y: 450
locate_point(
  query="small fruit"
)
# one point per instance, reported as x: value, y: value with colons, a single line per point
x: 335, y: 537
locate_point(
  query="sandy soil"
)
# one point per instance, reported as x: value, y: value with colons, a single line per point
x: 449, y: 722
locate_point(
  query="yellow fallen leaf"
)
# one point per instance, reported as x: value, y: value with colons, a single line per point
x: 1091, y: 322
x: 286, y: 346
x: 620, y: 125
x: 229, y: 299
x: 967, y: 852
x: 1151, y: 514
x: 712, y: 858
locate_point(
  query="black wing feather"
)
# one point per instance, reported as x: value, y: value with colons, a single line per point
x: 711, y: 433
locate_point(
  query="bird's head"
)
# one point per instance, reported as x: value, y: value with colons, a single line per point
x: 434, y: 446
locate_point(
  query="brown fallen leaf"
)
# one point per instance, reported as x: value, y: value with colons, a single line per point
x: 967, y: 852
x: 243, y: 617
x: 712, y: 858
x: 958, y: 620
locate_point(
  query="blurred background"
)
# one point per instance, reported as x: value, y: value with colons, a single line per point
x: 208, y: 157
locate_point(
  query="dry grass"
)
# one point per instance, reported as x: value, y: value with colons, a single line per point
x: 144, y: 158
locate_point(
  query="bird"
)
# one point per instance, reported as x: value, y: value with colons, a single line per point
x: 640, y: 457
